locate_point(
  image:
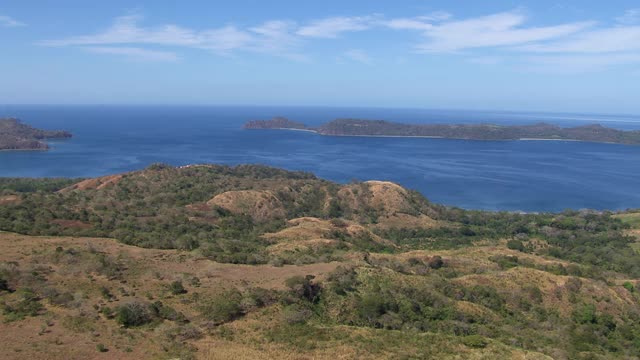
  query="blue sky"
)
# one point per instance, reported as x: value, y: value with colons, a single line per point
x: 574, y: 56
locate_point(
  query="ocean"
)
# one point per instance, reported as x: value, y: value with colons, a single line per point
x: 488, y: 175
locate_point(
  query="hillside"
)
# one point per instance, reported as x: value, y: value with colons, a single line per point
x: 214, y: 262
x: 15, y: 135
x: 539, y: 131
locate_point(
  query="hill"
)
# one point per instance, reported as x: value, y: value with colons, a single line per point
x: 15, y: 135
x: 215, y: 262
x: 539, y: 131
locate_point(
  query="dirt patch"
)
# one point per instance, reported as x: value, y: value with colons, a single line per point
x: 71, y: 224
x: 93, y: 184
x: 10, y: 200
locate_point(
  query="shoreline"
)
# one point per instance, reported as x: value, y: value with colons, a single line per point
x: 9, y: 150
x: 442, y: 137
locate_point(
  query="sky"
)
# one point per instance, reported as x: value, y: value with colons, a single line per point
x: 561, y: 56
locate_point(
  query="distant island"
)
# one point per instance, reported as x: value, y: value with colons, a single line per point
x: 15, y: 135
x: 538, y: 131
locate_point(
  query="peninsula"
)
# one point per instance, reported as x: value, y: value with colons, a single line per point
x: 538, y: 131
x: 15, y: 135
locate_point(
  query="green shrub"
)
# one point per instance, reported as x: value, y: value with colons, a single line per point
x: 166, y: 312
x: 585, y: 314
x: 101, y: 348
x: 222, y: 307
x: 177, y: 288
x: 516, y: 245
x: 296, y: 314
x: 475, y: 341
x: 106, y: 294
x: 304, y: 287
x: 629, y: 286
x: 133, y: 314
x: 27, y: 304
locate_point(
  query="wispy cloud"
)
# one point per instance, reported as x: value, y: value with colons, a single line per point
x: 615, y: 39
x: 424, y: 22
x: 334, y: 26
x: 497, y: 30
x: 134, y: 53
x: 7, y: 21
x: 358, y: 55
x: 268, y: 37
x: 495, y: 38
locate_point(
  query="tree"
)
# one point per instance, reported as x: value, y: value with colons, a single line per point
x: 133, y: 314
x: 515, y: 245
x: 304, y: 287
x: 222, y: 307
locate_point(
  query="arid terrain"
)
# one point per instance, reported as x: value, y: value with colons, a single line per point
x: 214, y: 262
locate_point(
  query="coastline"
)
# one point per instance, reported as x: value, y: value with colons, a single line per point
x: 442, y: 137
x: 16, y: 150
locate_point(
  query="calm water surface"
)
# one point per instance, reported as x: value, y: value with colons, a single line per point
x: 492, y: 175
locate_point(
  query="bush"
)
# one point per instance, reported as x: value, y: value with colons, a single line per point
x: 28, y: 304
x: 343, y: 280
x: 436, y: 262
x: 133, y: 314
x: 177, y: 288
x: 585, y: 314
x: 515, y: 245
x: 475, y: 341
x: 167, y: 312
x: 304, y: 287
x: 296, y: 314
x: 4, y: 286
x: 101, y: 348
x: 629, y: 286
x: 222, y: 307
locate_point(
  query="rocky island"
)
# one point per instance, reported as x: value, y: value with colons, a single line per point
x: 539, y: 131
x: 15, y: 135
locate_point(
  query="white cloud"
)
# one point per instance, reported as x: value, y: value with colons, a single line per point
x: 135, y: 53
x: 492, y: 39
x: 7, y: 21
x: 125, y: 30
x: 497, y: 30
x: 274, y: 37
x: 334, y: 26
x: 359, y: 55
x: 407, y: 24
x: 224, y: 39
x: 615, y: 39
x: 630, y: 17
x: 424, y: 22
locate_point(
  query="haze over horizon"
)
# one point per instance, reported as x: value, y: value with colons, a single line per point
x: 553, y: 56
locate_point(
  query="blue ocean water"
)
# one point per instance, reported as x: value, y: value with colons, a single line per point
x: 490, y: 175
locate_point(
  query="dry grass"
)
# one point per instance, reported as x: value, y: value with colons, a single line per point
x: 92, y: 184
x: 9, y: 200
x: 260, y: 205
x: 145, y: 276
